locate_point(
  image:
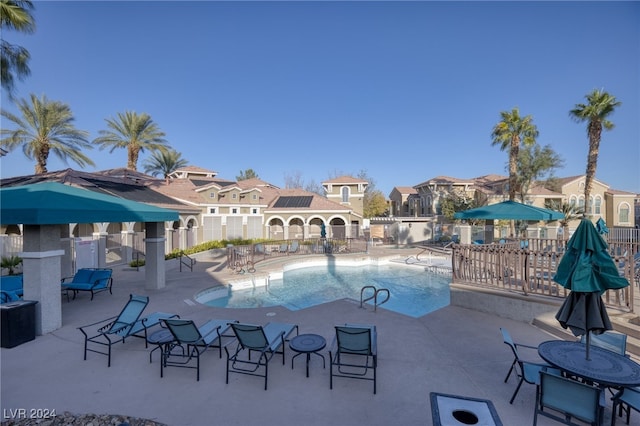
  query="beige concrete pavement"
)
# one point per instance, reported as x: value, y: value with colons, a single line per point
x: 453, y: 350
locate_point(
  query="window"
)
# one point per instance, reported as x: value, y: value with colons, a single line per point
x: 254, y: 196
x: 234, y: 210
x: 581, y: 203
x: 234, y: 196
x: 212, y: 195
x: 345, y: 194
x: 590, y: 206
x: 623, y: 214
x: 212, y: 210
x: 254, y: 211
x: 573, y: 201
x: 598, y: 205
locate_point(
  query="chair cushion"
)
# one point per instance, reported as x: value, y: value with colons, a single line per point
x: 100, y: 277
x: 82, y: 276
x: 11, y: 283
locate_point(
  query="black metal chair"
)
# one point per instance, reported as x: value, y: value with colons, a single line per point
x: 193, y: 341
x: 267, y: 340
x: 564, y: 400
x: 526, y: 371
x: 354, y: 353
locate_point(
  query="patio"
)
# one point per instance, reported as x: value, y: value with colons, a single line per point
x: 452, y: 351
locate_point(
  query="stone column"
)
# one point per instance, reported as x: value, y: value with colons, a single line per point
x: 154, y: 258
x: 41, y: 261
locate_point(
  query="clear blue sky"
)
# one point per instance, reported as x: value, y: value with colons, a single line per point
x: 403, y: 90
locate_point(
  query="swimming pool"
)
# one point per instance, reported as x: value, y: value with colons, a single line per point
x: 413, y: 290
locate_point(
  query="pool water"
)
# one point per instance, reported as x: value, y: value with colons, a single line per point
x: 413, y: 291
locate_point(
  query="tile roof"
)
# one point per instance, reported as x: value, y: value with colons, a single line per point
x: 344, y: 179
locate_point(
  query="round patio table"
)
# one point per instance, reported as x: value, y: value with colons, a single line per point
x: 308, y: 344
x: 603, y: 367
x: 160, y: 338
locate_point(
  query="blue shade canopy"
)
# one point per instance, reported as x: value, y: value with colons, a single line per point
x: 509, y: 210
x: 52, y: 203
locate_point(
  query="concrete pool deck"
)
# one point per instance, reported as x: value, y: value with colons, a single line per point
x: 451, y: 351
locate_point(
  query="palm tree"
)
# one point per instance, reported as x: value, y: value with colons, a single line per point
x: 45, y: 127
x: 164, y: 163
x: 570, y: 210
x: 509, y: 134
x: 599, y: 106
x: 136, y: 132
x: 14, y: 15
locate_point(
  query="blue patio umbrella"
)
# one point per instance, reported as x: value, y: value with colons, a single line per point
x: 509, y: 210
x: 588, y: 271
x: 601, y: 226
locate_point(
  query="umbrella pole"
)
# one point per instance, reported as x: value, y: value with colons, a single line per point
x: 588, y: 344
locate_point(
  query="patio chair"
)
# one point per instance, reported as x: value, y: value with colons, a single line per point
x: 625, y: 400
x: 266, y: 340
x: 283, y: 248
x: 526, y: 371
x: 106, y: 332
x: 193, y: 342
x: 354, y: 353
x: 88, y: 279
x: 260, y: 250
x: 569, y: 398
x: 609, y: 340
x: 293, y: 248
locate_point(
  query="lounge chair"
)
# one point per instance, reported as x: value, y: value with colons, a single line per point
x: 88, y: 279
x: 354, y: 353
x: 266, y: 340
x: 193, y: 342
x: 115, y: 329
x: 568, y: 398
x: 526, y: 371
x: 293, y: 248
x: 284, y: 247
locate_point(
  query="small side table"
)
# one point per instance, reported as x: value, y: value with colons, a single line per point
x: 159, y: 338
x: 308, y: 344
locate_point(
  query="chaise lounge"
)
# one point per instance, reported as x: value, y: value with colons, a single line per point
x: 128, y: 323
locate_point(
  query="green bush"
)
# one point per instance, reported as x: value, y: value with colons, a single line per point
x: 136, y: 263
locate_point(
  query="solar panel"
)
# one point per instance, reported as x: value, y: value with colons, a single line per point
x: 294, y: 202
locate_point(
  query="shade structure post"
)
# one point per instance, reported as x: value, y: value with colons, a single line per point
x: 41, y: 278
x: 155, y: 274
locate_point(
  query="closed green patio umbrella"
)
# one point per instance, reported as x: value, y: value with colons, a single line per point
x: 587, y: 270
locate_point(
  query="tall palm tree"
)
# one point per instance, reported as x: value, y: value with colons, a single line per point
x: 599, y: 106
x: 164, y: 163
x: 45, y: 127
x: 509, y: 133
x: 136, y: 132
x: 14, y: 15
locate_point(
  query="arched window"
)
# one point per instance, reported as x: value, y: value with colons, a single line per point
x: 623, y: 213
x: 581, y: 203
x: 345, y: 194
x: 597, y: 207
x: 573, y: 201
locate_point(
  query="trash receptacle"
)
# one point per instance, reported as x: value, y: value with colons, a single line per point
x: 17, y: 323
x: 455, y: 410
